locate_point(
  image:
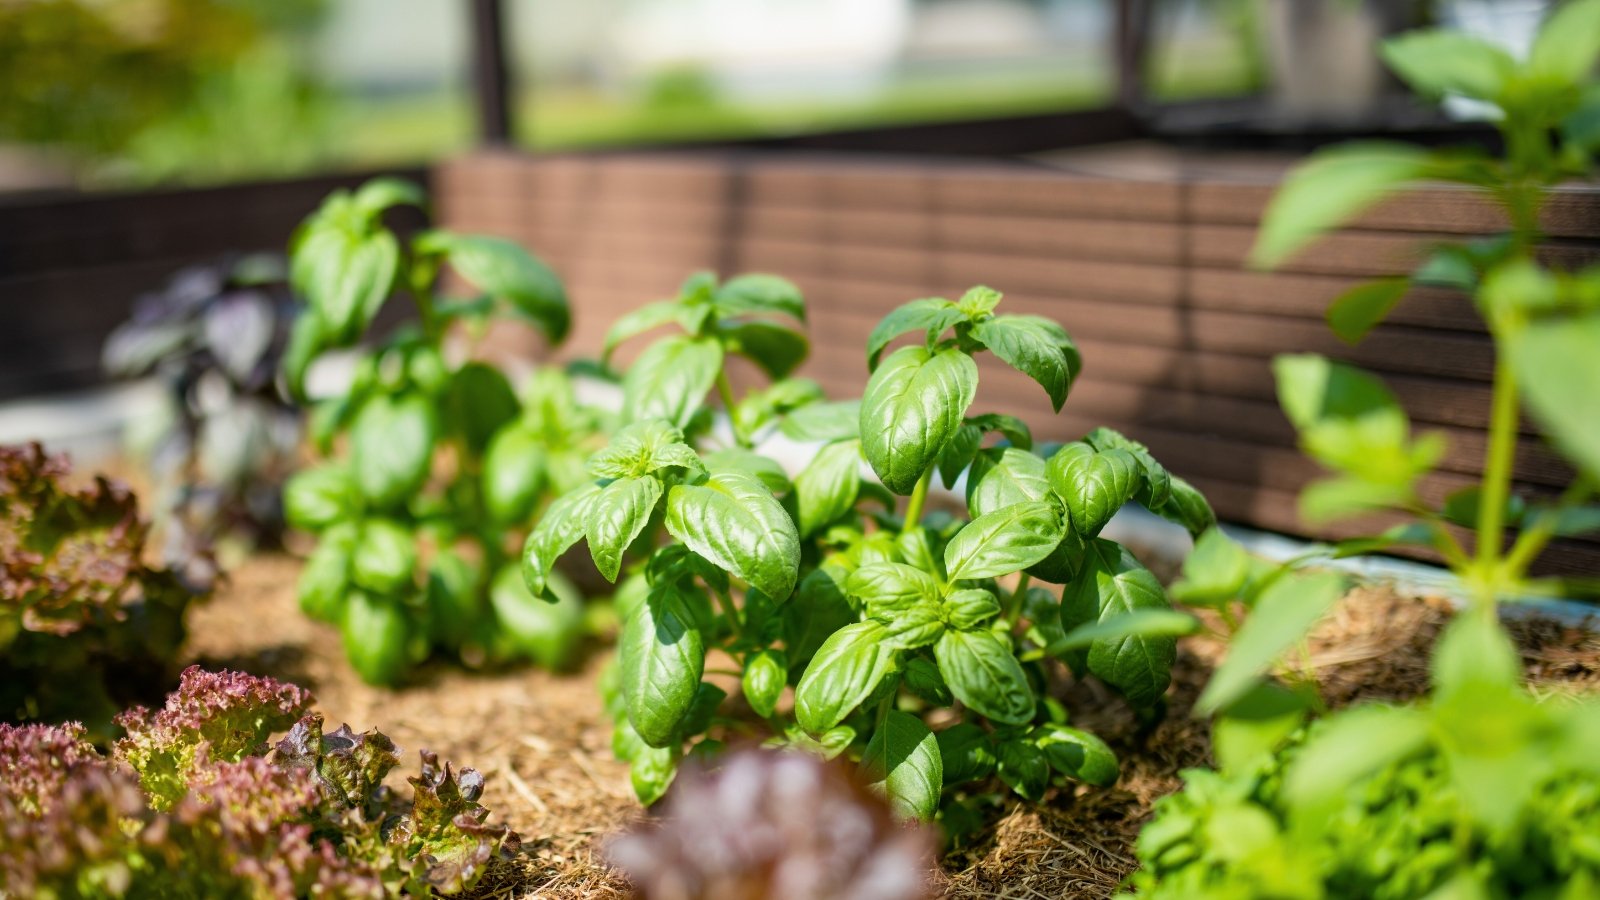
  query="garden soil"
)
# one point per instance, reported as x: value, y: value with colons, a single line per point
x: 544, y: 743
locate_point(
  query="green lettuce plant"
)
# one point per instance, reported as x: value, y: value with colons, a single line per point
x: 1482, y: 789
x: 86, y: 624
x: 193, y: 802
x: 880, y: 620
x: 435, y: 461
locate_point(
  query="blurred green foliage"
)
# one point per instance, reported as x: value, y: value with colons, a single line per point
x: 140, y: 89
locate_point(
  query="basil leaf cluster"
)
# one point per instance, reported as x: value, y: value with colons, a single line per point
x: 848, y: 621
x: 432, y: 464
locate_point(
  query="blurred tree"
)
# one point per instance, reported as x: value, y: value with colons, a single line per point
x: 89, y: 79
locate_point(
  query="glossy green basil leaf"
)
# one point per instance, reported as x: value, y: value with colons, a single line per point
x: 481, y: 402
x: 978, y: 303
x: 1011, y: 428
x: 778, y: 351
x: 889, y: 588
x: 326, y: 576
x: 663, y: 656
x: 1334, y: 187
x: 670, y: 379
x: 642, y: 448
x: 1076, y: 754
x: 1557, y: 370
x: 1358, y: 310
x: 615, y: 517
x: 836, y: 421
x: 1188, y: 507
x: 513, y: 474
x: 637, y: 322
x: 1024, y: 768
x: 391, y: 448
x: 378, y: 194
x: 1438, y: 61
x: 1007, y: 540
x: 533, y: 628
x: 828, y: 486
x: 759, y: 293
x: 1093, y: 484
x: 983, y: 673
x: 1002, y: 477
x: 732, y: 520
x: 844, y: 672
x: 968, y: 609
x: 1035, y: 346
x: 320, y: 496
x: 557, y: 530
x: 702, y: 710
x: 737, y: 459
x: 1286, y: 611
x: 1113, y: 584
x: 913, y: 404
x: 345, y: 273
x: 933, y: 315
x: 903, y: 761
x: 651, y: 772
x: 921, y: 677
x: 1157, y: 487
x: 765, y: 674
x: 958, y: 453
x: 503, y: 270
x: 967, y: 753
x: 375, y: 632
x: 384, y: 559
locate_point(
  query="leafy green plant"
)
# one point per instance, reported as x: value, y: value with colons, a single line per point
x: 192, y: 802
x: 878, y: 621
x: 226, y: 437
x: 1481, y: 790
x: 86, y: 626
x: 417, y: 513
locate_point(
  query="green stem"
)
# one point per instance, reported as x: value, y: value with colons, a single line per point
x: 725, y: 391
x: 1496, y: 475
x: 725, y: 602
x: 1014, y: 602
x: 1531, y: 542
x: 919, y: 496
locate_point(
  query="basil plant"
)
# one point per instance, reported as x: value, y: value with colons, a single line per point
x: 432, y: 461
x: 883, y: 622
x: 1461, y: 793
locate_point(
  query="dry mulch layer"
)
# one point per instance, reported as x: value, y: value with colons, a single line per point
x: 544, y: 742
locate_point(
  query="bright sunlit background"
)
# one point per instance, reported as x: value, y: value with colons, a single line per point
x: 119, y: 93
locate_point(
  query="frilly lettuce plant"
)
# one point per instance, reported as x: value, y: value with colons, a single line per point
x: 194, y: 803
x: 1483, y: 789
x: 417, y: 512
x: 878, y: 621
x: 86, y: 625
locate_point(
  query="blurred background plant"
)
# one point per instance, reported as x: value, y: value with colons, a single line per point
x: 226, y: 436
x: 137, y: 90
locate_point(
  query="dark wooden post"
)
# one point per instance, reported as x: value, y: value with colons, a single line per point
x: 491, y: 73
x: 1132, y: 42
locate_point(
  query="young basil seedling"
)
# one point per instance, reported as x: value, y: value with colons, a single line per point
x: 1466, y: 793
